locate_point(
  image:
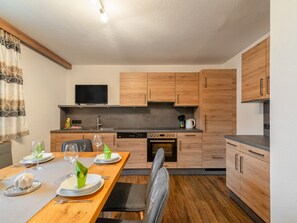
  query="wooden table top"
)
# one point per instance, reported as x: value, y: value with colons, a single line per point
x: 78, y: 212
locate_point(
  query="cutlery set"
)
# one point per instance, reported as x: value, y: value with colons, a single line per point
x: 64, y: 201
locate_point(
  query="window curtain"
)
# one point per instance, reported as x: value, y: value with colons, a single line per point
x: 13, y: 121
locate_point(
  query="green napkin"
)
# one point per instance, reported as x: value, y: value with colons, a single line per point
x: 81, y: 174
x: 107, y: 152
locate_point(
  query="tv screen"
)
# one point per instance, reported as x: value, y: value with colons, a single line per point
x: 91, y: 94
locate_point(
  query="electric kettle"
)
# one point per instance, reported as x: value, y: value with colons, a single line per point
x: 190, y: 123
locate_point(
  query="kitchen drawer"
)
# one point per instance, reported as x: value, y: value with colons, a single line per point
x: 233, y: 144
x: 256, y: 152
x: 189, y: 135
x: 214, y: 160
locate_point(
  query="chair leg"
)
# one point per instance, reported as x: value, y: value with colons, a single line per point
x: 140, y: 215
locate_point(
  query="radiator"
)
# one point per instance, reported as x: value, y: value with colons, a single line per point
x: 5, y: 154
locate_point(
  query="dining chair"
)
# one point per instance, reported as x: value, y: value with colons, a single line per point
x: 155, y: 204
x: 84, y: 145
x: 129, y: 197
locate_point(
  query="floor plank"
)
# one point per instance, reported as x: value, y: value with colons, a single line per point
x: 195, y: 199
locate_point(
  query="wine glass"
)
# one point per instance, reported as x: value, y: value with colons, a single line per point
x: 37, y: 152
x: 71, y: 154
x: 97, y: 140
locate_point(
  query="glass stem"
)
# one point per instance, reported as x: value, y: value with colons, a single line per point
x: 71, y: 168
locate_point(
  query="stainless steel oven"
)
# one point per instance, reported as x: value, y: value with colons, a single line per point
x: 167, y: 141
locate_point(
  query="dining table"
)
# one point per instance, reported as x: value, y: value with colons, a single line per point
x: 54, y: 211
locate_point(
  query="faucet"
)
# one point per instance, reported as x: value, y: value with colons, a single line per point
x: 98, y: 124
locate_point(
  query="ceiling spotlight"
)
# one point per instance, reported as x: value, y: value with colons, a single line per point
x: 103, y: 15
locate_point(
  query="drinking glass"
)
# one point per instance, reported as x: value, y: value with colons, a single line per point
x: 71, y: 154
x: 37, y: 152
x: 97, y: 140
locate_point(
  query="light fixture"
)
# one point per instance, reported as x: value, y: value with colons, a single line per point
x: 103, y: 15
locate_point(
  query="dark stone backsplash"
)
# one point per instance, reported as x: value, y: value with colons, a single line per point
x: 156, y: 115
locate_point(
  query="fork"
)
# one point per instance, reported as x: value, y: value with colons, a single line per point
x: 62, y: 201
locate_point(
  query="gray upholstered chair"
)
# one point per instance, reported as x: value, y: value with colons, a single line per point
x: 128, y: 197
x: 84, y: 145
x: 155, y: 204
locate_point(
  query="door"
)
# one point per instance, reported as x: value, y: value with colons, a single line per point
x: 161, y: 87
x: 254, y: 73
x: 232, y: 170
x: 189, y: 153
x: 133, y: 89
x: 186, y: 89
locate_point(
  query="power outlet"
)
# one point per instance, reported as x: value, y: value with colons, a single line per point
x: 76, y: 122
x: 266, y: 126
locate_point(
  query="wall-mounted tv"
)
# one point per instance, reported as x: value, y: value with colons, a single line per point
x: 91, y: 94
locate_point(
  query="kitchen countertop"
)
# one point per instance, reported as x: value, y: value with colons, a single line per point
x: 115, y: 130
x: 259, y: 141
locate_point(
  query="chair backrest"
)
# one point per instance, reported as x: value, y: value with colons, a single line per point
x: 157, y: 199
x: 157, y: 164
x: 84, y: 145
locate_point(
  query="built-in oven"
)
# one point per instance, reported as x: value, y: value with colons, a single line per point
x: 167, y: 141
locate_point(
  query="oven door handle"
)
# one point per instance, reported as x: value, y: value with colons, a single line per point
x: 161, y: 141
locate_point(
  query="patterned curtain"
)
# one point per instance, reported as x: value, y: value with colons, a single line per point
x: 13, y: 122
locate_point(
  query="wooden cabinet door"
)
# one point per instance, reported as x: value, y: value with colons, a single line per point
x: 107, y: 138
x: 137, y: 149
x: 189, y: 153
x: 57, y: 139
x: 254, y: 73
x: 133, y: 89
x: 186, y: 87
x: 232, y: 170
x: 255, y: 185
x: 161, y: 87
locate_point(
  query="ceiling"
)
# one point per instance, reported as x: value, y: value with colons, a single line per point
x: 141, y: 31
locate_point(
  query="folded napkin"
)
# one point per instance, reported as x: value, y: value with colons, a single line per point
x: 24, y: 181
x: 107, y: 152
x: 81, y: 174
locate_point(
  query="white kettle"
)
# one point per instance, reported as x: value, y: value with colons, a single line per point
x: 190, y: 123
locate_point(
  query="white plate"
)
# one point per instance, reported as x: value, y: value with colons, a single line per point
x: 32, y: 158
x: 70, y: 193
x: 35, y: 161
x: 12, y: 191
x: 107, y: 161
x: 114, y: 156
x: 71, y: 183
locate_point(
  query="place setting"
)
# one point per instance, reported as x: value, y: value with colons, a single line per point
x: 107, y: 157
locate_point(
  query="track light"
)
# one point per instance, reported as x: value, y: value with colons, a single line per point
x: 103, y: 15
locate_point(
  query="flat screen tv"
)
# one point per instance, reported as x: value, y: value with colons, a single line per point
x: 91, y: 94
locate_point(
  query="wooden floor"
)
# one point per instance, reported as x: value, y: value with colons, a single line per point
x: 195, y: 199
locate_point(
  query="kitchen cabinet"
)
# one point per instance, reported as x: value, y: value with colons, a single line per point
x: 256, y: 72
x: 216, y: 114
x: 137, y: 149
x: 186, y: 88
x: 133, y: 89
x: 189, y: 151
x: 107, y: 138
x: 161, y: 87
x: 248, y: 176
x: 57, y: 139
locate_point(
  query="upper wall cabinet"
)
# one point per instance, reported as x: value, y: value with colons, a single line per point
x: 256, y: 72
x: 133, y: 89
x: 161, y: 87
x: 186, y: 87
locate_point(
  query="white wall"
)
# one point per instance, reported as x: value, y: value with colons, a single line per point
x: 44, y: 90
x: 249, y: 115
x: 283, y: 108
x: 109, y: 74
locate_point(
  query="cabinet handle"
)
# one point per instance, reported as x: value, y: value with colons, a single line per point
x: 150, y: 93
x: 268, y: 85
x: 113, y: 140
x: 205, y: 122
x: 218, y: 157
x: 236, y: 166
x: 179, y: 146
x: 177, y: 98
x: 205, y: 82
x: 255, y: 153
x: 261, y: 86
x: 241, y: 164
x: 190, y: 135
x: 145, y: 99
x: 83, y: 137
x: 231, y: 144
